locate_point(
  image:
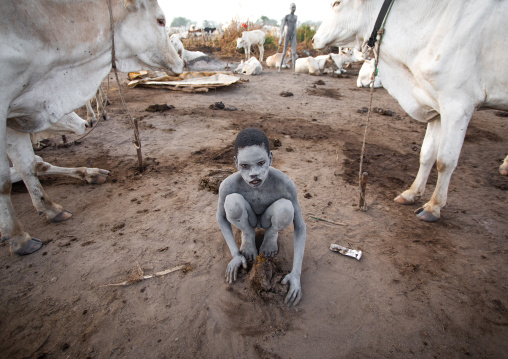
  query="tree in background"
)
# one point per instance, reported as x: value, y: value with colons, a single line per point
x: 180, y: 22
x: 264, y: 20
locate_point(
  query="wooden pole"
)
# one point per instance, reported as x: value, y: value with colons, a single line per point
x: 363, y: 186
x: 137, y: 143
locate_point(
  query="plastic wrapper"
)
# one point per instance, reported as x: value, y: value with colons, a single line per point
x: 357, y: 254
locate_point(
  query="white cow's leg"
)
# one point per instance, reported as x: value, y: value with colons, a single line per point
x: 261, y: 52
x: 247, y: 54
x: 90, y: 175
x: 428, y: 156
x: 19, y: 149
x: 90, y: 114
x: 454, y: 121
x: 104, y: 98
x: 12, y: 230
x: 101, y: 103
x: 503, y: 169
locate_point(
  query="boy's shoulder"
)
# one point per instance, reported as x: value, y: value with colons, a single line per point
x: 231, y: 182
x: 281, y: 178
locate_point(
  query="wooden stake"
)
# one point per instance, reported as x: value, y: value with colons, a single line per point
x: 138, y: 146
x: 363, y: 186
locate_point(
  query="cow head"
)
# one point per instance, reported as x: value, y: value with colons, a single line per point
x: 348, y: 24
x: 240, y: 42
x: 140, y: 38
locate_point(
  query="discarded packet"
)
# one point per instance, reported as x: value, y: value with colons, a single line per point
x: 346, y: 251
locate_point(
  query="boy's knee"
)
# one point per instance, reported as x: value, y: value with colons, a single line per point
x: 284, y: 214
x: 233, y: 206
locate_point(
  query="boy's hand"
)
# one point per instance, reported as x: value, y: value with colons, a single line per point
x: 295, y: 290
x: 237, y: 261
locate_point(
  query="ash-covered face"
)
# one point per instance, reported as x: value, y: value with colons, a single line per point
x: 253, y: 162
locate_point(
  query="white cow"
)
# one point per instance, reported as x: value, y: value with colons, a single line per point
x: 313, y: 65
x: 274, y: 60
x: 50, y: 68
x: 249, y: 38
x: 177, y: 44
x: 345, y: 57
x: 27, y: 166
x: 186, y: 55
x: 249, y: 67
x: 366, y: 74
x: 432, y: 59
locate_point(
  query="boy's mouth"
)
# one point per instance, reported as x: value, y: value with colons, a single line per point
x: 255, y: 183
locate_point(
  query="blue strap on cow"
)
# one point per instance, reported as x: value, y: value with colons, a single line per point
x: 379, y: 22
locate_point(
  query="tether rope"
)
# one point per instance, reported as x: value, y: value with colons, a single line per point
x: 375, y: 50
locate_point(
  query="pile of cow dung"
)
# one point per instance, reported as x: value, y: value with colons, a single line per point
x: 213, y: 179
x: 265, y: 278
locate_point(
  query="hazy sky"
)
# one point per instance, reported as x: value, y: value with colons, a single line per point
x: 222, y: 11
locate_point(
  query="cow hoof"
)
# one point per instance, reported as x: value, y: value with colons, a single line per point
x: 401, y: 200
x: 29, y: 247
x: 425, y: 216
x: 62, y: 216
x: 101, y: 177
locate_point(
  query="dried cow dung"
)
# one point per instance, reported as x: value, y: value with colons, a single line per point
x: 319, y: 82
x: 382, y: 111
x: 213, y: 179
x: 266, y: 278
x: 159, y: 108
x: 217, y: 106
x: 286, y: 94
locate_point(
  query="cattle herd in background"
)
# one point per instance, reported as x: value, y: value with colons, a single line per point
x: 318, y: 65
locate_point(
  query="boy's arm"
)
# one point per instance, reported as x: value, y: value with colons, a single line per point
x: 282, y: 30
x: 300, y: 233
x: 225, y: 227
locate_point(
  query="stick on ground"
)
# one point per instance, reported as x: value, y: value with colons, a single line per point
x: 137, y: 275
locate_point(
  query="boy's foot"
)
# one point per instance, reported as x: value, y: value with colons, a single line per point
x: 269, y: 247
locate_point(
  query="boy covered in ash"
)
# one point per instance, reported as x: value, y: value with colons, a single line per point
x: 260, y: 196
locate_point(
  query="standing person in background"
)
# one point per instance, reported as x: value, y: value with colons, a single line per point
x: 290, y: 21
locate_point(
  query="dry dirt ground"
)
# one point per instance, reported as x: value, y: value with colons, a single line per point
x: 421, y: 290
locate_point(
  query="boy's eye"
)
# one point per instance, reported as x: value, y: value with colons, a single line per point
x: 244, y: 166
x: 261, y: 163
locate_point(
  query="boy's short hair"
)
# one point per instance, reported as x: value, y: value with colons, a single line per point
x: 251, y: 137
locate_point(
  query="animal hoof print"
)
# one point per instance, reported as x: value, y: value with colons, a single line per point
x: 33, y: 245
x: 62, y: 216
x: 425, y: 216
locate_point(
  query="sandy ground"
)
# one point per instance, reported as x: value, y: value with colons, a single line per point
x: 422, y: 290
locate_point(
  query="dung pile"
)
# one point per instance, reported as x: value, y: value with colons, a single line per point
x: 265, y: 278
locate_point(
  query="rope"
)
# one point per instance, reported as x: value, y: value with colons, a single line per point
x: 137, y: 140
x: 375, y: 50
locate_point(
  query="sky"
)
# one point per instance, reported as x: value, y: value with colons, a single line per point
x: 223, y: 11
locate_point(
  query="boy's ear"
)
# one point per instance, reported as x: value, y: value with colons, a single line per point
x: 271, y: 158
x: 236, y: 161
